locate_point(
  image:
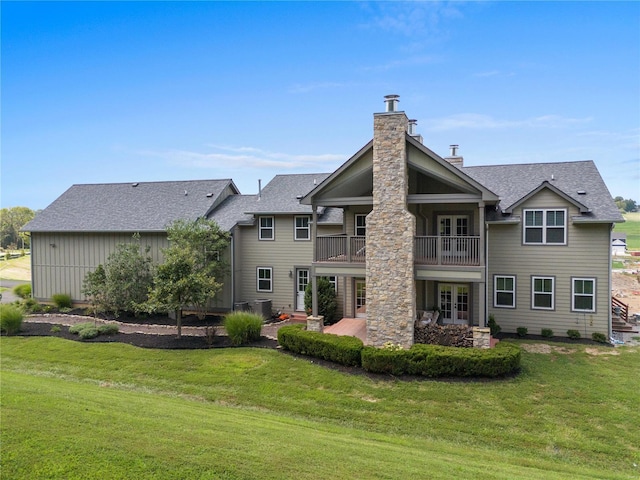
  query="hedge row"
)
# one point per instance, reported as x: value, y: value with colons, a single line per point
x: 339, y: 349
x: 440, y: 361
x: 425, y: 360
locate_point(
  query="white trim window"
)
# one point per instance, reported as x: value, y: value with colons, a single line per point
x: 302, y: 228
x: 264, y: 279
x: 361, y: 224
x: 266, y: 228
x: 504, y: 291
x: 543, y: 293
x: 545, y: 227
x: 583, y: 294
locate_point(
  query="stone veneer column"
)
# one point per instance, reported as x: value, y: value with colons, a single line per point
x: 391, y: 304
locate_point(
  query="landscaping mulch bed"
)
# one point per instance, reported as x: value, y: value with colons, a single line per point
x: 145, y: 340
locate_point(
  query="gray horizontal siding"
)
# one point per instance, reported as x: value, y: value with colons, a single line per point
x: 585, y: 255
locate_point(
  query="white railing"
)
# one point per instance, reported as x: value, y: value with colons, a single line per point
x: 429, y: 250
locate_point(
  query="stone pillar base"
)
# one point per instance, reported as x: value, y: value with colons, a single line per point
x: 315, y: 324
x: 481, y: 337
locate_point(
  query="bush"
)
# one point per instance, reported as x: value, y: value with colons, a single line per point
x: 574, y: 334
x: 61, y: 300
x: 546, y: 332
x: 522, y: 331
x: 493, y: 326
x: 599, y: 337
x: 78, y: 327
x: 10, y: 318
x: 30, y: 305
x: 23, y: 290
x: 327, y: 302
x: 243, y: 327
x: 439, y: 361
x: 89, y: 332
x: 344, y: 350
x: 108, y: 329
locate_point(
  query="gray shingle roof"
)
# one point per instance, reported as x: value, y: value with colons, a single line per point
x: 513, y: 182
x: 121, y: 207
x: 279, y: 196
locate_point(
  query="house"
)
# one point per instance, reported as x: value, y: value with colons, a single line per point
x: 398, y: 230
x: 618, y: 244
x: 527, y: 244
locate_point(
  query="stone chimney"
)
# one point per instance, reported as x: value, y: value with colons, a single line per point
x: 391, y: 306
x: 453, y: 158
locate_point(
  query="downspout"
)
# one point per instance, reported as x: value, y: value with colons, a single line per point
x: 609, y: 321
x: 233, y: 271
x: 486, y: 270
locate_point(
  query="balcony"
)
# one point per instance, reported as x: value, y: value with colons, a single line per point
x: 429, y: 250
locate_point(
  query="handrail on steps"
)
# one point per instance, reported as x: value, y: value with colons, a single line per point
x: 620, y: 309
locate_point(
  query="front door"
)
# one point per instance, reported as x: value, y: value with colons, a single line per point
x: 454, y: 303
x: 302, y: 280
x: 361, y: 299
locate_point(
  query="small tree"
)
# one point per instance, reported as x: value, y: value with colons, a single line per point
x: 327, y: 303
x: 128, y: 277
x: 193, y: 262
x: 94, y: 287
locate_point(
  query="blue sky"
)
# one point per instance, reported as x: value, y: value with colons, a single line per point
x: 143, y: 91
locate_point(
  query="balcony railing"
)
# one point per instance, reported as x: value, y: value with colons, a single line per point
x: 430, y: 250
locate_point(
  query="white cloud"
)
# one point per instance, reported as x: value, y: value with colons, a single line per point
x: 486, y: 122
x: 223, y: 156
x: 411, y: 18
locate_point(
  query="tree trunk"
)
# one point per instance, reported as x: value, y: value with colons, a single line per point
x: 179, y: 322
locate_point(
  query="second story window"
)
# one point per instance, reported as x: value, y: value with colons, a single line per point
x: 267, y: 228
x: 361, y: 224
x: 302, y: 228
x: 545, y: 227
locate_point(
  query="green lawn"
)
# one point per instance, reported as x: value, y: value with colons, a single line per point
x: 631, y: 227
x: 79, y: 410
x: 16, y: 269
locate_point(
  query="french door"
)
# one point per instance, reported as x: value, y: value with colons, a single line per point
x: 361, y: 298
x: 453, y: 226
x: 302, y: 280
x: 454, y: 303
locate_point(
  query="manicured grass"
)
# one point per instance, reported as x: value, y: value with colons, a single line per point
x: 74, y: 410
x: 631, y: 227
x: 16, y: 269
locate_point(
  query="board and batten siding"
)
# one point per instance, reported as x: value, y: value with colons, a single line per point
x: 60, y: 261
x: 282, y: 255
x: 586, y: 255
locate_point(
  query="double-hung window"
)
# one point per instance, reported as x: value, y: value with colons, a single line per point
x: 266, y: 228
x: 583, y: 294
x: 264, y: 279
x: 545, y: 227
x: 543, y: 293
x: 302, y: 228
x: 504, y: 291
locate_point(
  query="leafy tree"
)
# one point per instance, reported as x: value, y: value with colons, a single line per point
x: 11, y: 221
x: 123, y: 283
x: 94, y: 287
x: 327, y: 303
x: 626, y: 204
x: 193, y: 263
x: 128, y: 277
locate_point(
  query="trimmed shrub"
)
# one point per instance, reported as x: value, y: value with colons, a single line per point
x: 599, y: 337
x: 243, y: 327
x: 10, y: 318
x: 493, y: 326
x: 522, y: 331
x: 89, y: 332
x: 78, y: 327
x: 339, y: 349
x: 546, y: 332
x: 61, y: 300
x: 23, y: 290
x: 439, y: 361
x: 327, y: 300
x: 108, y: 329
x: 574, y: 334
